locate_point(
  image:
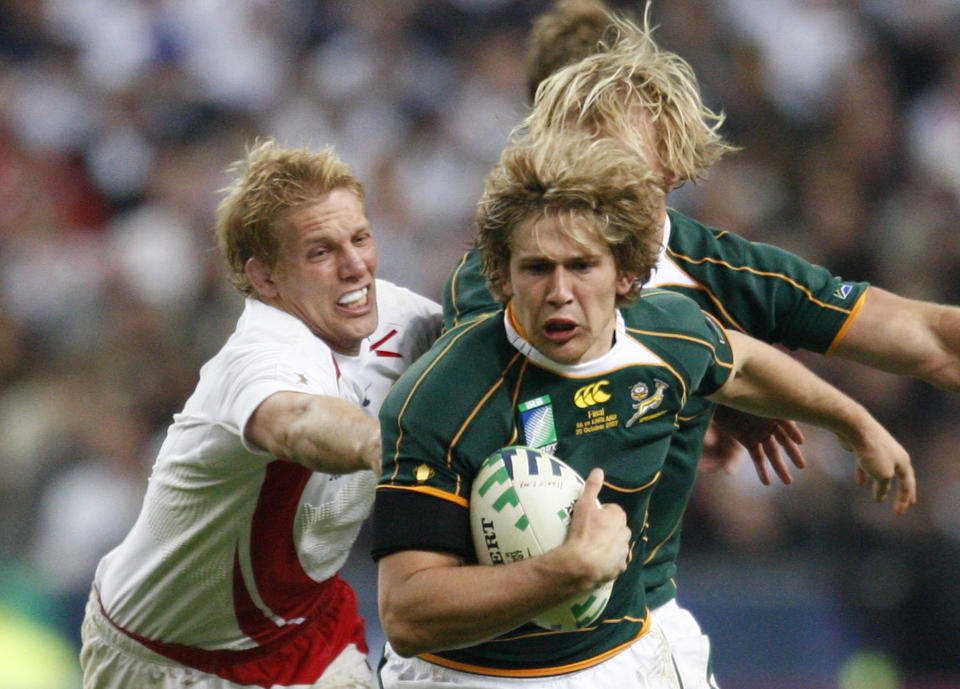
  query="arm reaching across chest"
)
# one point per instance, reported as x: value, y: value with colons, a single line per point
x: 320, y: 432
x: 431, y: 601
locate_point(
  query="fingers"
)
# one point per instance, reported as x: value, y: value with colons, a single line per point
x: 775, y: 457
x: 906, y: 488
x: 792, y: 431
x: 861, y: 477
x: 790, y: 439
x: 881, y: 486
x: 759, y: 462
x: 769, y: 451
x: 593, y: 486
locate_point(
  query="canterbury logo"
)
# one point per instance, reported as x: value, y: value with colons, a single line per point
x: 644, y: 401
x: 591, y: 394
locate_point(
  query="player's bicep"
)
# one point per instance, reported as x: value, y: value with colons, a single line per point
x: 420, y: 518
x: 264, y: 427
x: 320, y: 432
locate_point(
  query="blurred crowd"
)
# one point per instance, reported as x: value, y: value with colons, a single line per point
x: 118, y: 117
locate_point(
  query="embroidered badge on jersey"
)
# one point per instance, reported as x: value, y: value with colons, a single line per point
x: 843, y: 291
x: 539, y: 428
x: 644, y: 402
x: 591, y: 397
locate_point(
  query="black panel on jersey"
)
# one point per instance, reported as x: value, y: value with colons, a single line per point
x: 403, y: 517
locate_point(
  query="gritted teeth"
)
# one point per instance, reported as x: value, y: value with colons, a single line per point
x: 353, y: 298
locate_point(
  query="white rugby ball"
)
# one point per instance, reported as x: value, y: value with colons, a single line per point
x: 521, y: 505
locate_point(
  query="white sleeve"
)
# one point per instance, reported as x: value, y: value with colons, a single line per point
x: 418, y: 319
x: 253, y: 376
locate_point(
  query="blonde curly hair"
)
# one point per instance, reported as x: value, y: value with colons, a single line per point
x: 627, y: 70
x: 594, y: 187
x: 270, y: 181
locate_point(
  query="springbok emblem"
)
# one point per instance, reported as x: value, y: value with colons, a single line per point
x: 644, y: 401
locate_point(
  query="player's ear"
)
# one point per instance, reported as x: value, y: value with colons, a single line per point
x: 624, y: 284
x: 261, y: 277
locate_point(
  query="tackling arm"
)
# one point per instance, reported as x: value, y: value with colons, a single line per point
x: 320, y: 432
x: 770, y: 383
x: 429, y: 601
x: 906, y: 336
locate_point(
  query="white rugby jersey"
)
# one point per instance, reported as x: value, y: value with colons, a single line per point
x: 407, y: 326
x: 232, y: 547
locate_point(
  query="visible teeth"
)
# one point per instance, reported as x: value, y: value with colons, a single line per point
x: 353, y: 298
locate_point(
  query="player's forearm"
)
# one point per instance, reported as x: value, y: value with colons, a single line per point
x: 769, y: 383
x: 322, y: 433
x: 431, y: 609
x: 906, y: 336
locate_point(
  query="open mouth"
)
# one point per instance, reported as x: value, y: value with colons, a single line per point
x: 353, y: 299
x: 559, y: 327
x: 559, y: 330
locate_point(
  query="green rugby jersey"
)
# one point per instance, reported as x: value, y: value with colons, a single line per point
x: 756, y: 288
x: 482, y: 387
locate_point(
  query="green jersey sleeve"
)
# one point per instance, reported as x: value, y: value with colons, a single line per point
x: 465, y: 293
x: 757, y: 288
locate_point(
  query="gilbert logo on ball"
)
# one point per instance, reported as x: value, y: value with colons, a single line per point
x: 521, y: 505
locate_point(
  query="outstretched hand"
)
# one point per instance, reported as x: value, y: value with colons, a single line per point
x: 763, y: 439
x: 882, y: 459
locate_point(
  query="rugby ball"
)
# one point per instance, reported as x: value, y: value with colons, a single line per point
x: 521, y: 505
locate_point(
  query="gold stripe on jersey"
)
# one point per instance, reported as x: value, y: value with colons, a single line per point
x: 476, y: 410
x: 656, y: 548
x: 429, y: 490
x: 416, y: 385
x: 680, y: 379
x: 620, y: 489
x: 761, y: 273
x: 686, y: 419
x: 453, y: 286
x: 847, y: 323
x: 690, y: 282
x: 539, y: 672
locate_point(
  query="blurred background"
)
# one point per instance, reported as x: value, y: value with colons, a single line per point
x: 118, y: 117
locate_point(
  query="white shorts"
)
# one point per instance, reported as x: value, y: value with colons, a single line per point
x: 645, y: 664
x: 689, y: 646
x: 112, y: 660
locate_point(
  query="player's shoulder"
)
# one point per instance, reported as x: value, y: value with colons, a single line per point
x: 663, y: 315
x: 265, y: 331
x: 394, y: 299
x: 268, y: 347
x: 480, y: 341
x: 444, y: 385
x: 665, y: 309
x: 689, y: 235
x: 462, y: 354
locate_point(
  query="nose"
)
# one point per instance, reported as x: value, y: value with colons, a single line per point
x: 352, y: 263
x: 559, y: 290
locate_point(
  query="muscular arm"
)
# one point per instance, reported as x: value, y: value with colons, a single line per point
x: 429, y: 601
x: 906, y: 336
x: 770, y: 383
x: 320, y: 432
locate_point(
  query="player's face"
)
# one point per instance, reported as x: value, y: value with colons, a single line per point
x: 563, y: 291
x: 326, y: 269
